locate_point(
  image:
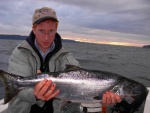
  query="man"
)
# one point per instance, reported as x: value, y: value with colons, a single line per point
x: 42, y: 51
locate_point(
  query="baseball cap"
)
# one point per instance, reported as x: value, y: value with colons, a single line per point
x: 42, y: 14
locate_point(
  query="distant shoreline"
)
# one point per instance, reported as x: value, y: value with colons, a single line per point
x: 19, y: 37
x: 12, y: 37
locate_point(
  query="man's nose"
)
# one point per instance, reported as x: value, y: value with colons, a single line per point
x: 46, y: 36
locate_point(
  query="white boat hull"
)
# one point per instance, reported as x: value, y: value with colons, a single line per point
x: 3, y: 107
x: 147, y: 103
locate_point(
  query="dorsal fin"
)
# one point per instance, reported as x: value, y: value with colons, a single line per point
x: 71, y: 67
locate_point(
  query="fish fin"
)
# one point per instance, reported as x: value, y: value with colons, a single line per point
x: 10, y: 88
x: 71, y: 67
x: 64, y: 104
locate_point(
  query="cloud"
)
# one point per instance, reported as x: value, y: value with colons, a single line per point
x: 119, y: 16
x: 126, y: 19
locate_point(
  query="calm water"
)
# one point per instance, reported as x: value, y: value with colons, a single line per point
x: 131, y: 62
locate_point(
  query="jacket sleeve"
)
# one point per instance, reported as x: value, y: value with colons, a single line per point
x: 27, y: 96
x: 19, y: 65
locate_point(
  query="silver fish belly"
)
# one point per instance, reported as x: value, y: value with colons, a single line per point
x: 75, y: 84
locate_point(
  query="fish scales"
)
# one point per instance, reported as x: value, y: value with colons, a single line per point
x: 75, y: 84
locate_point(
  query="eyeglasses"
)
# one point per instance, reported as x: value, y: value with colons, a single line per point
x: 43, y: 33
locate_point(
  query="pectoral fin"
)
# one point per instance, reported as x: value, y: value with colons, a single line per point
x: 99, y: 97
x: 64, y: 104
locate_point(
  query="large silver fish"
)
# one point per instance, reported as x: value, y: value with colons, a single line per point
x: 76, y: 84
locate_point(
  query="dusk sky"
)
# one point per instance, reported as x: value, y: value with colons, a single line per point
x: 121, y: 22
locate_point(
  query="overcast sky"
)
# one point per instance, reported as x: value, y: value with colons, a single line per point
x: 120, y: 22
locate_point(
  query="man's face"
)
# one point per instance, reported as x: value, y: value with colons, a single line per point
x: 45, y: 34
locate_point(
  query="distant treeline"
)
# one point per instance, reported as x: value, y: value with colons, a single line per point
x: 19, y: 37
x: 12, y: 37
x: 146, y: 46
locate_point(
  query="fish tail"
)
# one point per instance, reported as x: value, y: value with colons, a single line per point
x: 10, y: 88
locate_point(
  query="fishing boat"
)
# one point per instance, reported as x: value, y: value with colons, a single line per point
x: 3, y: 107
x: 147, y: 103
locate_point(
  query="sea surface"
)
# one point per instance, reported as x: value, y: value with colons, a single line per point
x: 131, y: 62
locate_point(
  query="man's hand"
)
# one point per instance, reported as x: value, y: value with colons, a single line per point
x: 110, y: 98
x: 45, y: 90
